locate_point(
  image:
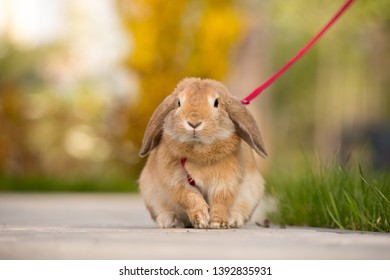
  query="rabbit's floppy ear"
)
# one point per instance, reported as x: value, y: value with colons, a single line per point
x: 245, y: 125
x: 154, y: 129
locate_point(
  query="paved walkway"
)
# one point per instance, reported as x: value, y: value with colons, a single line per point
x: 112, y: 226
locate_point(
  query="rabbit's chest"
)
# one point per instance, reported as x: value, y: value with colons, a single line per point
x: 214, y: 177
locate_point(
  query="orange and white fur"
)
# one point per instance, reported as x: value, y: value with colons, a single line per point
x: 202, y: 122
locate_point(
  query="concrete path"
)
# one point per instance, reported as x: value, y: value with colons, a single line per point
x: 117, y: 226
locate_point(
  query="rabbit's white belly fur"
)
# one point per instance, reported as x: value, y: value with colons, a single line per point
x: 250, y: 195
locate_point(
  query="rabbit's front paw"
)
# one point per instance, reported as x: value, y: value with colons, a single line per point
x: 218, y: 223
x: 169, y: 220
x: 199, y: 217
x: 219, y: 218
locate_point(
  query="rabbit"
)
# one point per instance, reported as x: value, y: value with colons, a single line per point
x: 218, y: 185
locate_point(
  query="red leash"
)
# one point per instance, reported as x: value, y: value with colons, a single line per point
x: 267, y: 83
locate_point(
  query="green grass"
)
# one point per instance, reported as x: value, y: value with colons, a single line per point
x: 332, y: 198
x: 66, y: 184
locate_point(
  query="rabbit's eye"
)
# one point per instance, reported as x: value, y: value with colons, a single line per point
x: 216, y: 103
x: 178, y: 103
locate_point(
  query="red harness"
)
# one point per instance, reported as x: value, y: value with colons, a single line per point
x: 190, y: 180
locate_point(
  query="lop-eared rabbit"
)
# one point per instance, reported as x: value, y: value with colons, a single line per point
x: 201, y: 171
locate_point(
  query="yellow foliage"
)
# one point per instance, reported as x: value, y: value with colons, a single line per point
x: 219, y: 28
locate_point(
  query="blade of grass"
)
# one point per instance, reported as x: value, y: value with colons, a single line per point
x: 334, y: 219
x: 336, y: 216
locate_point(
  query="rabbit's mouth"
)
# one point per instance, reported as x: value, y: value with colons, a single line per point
x: 195, y: 137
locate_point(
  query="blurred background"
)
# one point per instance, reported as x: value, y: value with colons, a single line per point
x: 80, y: 79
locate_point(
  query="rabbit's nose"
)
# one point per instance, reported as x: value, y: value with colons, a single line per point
x: 194, y: 124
